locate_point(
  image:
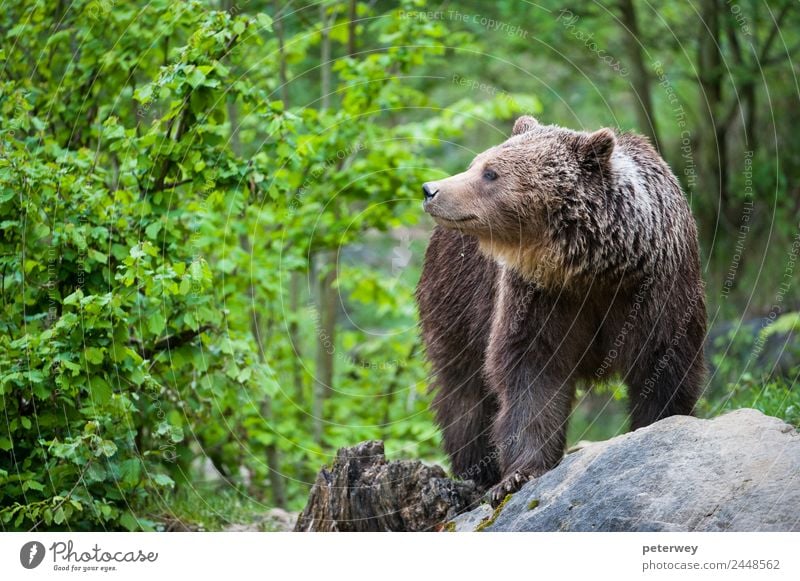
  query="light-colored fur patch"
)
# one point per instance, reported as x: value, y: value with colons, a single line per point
x: 537, y: 264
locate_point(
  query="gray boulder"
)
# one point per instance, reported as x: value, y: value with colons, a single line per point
x: 736, y: 472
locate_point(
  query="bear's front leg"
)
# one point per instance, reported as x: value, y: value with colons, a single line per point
x: 465, y: 410
x: 530, y: 428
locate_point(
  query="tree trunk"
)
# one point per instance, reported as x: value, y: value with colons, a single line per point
x: 363, y: 492
x: 713, y: 142
x: 282, y: 72
x: 351, y: 28
x: 641, y: 79
x: 295, y: 277
x: 326, y: 324
x: 276, y: 478
x: 326, y: 339
x: 325, y: 56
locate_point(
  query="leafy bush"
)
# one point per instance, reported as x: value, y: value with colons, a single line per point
x: 157, y: 196
x: 776, y: 397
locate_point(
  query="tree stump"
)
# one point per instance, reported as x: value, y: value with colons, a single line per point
x: 363, y: 492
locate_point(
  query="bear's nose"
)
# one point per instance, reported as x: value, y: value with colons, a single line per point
x: 429, y: 190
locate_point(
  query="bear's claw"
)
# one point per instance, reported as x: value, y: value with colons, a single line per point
x: 508, y: 485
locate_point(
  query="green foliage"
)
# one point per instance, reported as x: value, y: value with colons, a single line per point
x: 788, y: 323
x: 744, y: 370
x: 774, y: 397
x: 208, y: 508
x: 156, y: 196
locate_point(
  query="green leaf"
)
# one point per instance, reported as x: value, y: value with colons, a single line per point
x: 144, y: 93
x: 156, y: 322
x: 96, y: 473
x: 153, y: 229
x: 176, y: 433
x: 32, y: 485
x: 98, y: 256
x: 100, y: 390
x: 129, y: 521
x: 130, y: 471
x: 73, y: 367
x: 186, y: 285
x: 163, y: 480
x: 73, y: 298
x: 107, y: 448
x: 196, y: 78
x: 244, y: 375
x: 191, y: 321
x: 264, y: 20
x: 94, y: 355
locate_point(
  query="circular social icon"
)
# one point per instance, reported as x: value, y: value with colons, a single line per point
x: 31, y: 554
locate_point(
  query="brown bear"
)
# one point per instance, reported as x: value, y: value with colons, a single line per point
x: 559, y: 256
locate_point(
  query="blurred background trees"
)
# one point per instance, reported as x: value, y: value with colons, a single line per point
x: 210, y: 231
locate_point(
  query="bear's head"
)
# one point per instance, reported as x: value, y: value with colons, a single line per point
x: 518, y: 197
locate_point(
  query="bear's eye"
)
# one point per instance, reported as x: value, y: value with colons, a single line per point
x: 489, y: 175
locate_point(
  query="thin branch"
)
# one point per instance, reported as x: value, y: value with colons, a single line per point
x: 68, y: 495
x: 167, y: 186
x: 169, y: 342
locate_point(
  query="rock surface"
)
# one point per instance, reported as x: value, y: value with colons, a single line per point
x: 364, y: 492
x: 736, y: 472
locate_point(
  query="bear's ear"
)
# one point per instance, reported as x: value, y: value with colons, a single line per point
x: 596, y: 148
x: 523, y: 124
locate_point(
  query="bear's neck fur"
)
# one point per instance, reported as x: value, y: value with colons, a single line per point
x: 537, y: 263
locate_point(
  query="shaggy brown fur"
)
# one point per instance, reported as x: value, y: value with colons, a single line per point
x: 559, y: 255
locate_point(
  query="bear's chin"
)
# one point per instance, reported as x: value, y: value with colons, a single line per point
x: 465, y: 224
